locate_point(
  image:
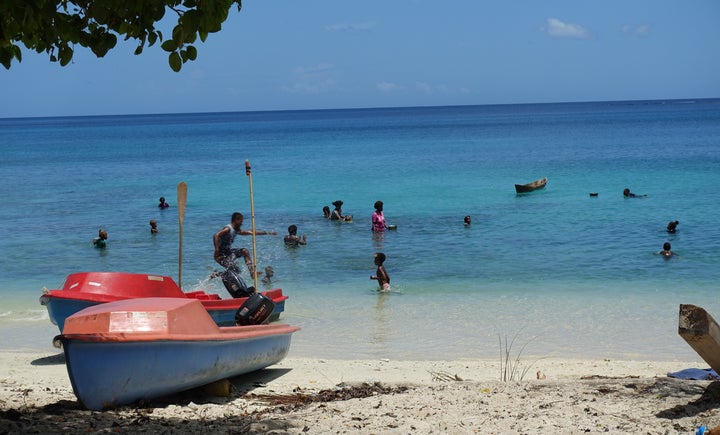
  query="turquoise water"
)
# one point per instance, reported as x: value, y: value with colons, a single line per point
x: 569, y: 273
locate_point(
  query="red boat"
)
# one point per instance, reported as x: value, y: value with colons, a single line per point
x: 85, y: 289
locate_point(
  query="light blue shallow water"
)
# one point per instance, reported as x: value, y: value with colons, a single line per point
x: 571, y: 274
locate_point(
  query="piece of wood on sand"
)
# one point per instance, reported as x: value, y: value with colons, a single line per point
x: 698, y: 328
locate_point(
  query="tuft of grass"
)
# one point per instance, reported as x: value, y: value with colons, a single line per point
x: 509, y: 363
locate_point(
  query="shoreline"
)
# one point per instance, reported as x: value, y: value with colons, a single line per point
x: 305, y: 395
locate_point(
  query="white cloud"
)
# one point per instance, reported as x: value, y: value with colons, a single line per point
x: 636, y: 30
x: 313, y: 79
x: 428, y: 88
x: 350, y: 27
x: 558, y: 29
x: 307, y: 87
x: 386, y: 86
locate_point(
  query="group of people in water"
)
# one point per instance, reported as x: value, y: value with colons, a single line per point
x: 226, y: 255
x: 667, y: 248
x: 671, y: 226
x: 378, y: 225
x: 101, y: 240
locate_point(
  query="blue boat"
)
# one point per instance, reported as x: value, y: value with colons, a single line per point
x: 85, y: 289
x: 140, y: 349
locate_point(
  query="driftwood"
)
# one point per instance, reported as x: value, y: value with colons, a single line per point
x: 697, y: 327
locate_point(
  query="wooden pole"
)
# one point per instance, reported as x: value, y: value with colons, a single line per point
x: 181, y: 202
x: 248, y: 172
x: 698, y: 328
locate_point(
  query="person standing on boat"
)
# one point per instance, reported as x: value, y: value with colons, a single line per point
x: 378, y: 218
x: 225, y: 254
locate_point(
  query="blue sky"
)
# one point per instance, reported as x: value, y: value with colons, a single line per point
x: 285, y: 54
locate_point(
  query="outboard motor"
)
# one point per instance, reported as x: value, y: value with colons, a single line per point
x: 235, y: 285
x: 255, y: 311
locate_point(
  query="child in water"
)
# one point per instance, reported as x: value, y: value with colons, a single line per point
x: 100, y: 240
x: 381, y: 274
x: 153, y: 227
x: 163, y: 205
x: 666, y: 252
x: 292, y: 239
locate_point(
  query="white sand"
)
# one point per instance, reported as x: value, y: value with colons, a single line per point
x: 575, y: 396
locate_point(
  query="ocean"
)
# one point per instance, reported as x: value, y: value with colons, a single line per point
x: 561, y: 272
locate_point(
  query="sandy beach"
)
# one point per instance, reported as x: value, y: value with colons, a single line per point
x: 383, y: 396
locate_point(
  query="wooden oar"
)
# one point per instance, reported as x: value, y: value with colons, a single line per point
x: 252, y: 224
x: 181, y: 202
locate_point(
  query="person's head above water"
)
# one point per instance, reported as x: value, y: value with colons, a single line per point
x: 292, y: 230
x: 378, y: 205
x: 379, y: 258
x: 467, y: 220
x: 338, y: 203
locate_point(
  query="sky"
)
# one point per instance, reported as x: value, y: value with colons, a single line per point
x: 327, y: 54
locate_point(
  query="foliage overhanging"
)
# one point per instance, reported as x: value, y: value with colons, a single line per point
x: 58, y: 27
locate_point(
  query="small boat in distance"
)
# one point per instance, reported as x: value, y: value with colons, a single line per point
x: 529, y: 187
x: 140, y: 349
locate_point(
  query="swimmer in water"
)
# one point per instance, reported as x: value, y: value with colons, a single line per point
x: 666, y: 252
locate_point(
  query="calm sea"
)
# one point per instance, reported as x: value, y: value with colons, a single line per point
x: 566, y: 273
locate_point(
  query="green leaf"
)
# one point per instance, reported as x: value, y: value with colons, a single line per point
x: 178, y: 35
x: 191, y: 21
x: 191, y: 52
x: 175, y: 61
x: 66, y: 54
x: 18, y: 52
x: 5, y: 57
x: 169, y: 45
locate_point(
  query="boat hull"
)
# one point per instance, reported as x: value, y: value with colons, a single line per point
x: 144, y: 348
x: 109, y: 375
x: 85, y: 289
x: 530, y: 187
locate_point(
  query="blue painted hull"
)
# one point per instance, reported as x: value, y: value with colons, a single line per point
x: 61, y: 309
x: 106, y: 375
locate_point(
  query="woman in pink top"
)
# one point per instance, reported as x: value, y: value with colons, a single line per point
x: 378, y: 218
